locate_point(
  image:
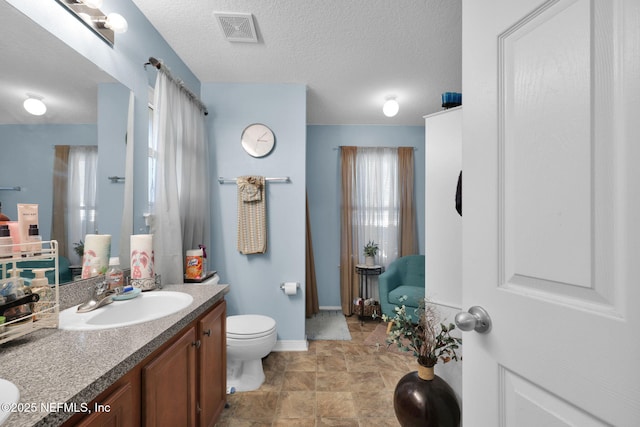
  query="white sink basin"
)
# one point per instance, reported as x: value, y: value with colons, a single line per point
x: 10, y: 394
x: 148, y: 306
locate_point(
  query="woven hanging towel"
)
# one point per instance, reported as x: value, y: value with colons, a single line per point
x: 252, y: 216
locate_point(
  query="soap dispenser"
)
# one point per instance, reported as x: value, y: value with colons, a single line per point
x: 40, y: 285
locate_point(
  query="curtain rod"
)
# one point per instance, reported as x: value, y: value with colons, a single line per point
x: 362, y: 146
x: 222, y: 180
x: 160, y: 66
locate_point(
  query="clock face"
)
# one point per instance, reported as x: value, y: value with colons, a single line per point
x: 258, y: 140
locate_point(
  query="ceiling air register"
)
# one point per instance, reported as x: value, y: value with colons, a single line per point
x: 237, y: 27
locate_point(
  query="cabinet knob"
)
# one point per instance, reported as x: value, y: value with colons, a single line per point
x: 196, y: 344
x: 207, y: 332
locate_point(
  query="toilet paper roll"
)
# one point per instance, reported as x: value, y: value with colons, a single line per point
x: 290, y: 288
x: 142, y: 259
x: 97, y: 251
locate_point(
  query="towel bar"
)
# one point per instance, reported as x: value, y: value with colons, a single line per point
x: 222, y: 180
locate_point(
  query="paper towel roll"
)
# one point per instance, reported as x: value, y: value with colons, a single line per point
x: 97, y: 251
x: 142, y: 262
x: 290, y: 288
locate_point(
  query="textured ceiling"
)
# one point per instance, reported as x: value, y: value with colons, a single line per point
x: 351, y: 54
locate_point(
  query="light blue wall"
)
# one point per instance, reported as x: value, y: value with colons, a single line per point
x: 323, y: 183
x: 255, y: 279
x: 27, y: 151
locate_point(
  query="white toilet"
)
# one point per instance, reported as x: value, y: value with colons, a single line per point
x: 250, y: 337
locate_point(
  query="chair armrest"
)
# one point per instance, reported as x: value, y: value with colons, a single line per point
x: 389, y: 280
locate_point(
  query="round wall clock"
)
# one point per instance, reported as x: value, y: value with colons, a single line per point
x: 258, y: 140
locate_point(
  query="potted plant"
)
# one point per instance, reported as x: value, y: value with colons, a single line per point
x: 423, y: 398
x: 370, y: 251
x: 78, y: 248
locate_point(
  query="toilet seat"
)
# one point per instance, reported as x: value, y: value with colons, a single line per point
x: 249, y: 326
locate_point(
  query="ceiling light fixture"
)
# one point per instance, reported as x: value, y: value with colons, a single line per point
x: 34, y: 105
x: 391, y: 106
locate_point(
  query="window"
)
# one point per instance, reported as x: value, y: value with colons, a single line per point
x: 81, y: 190
x: 376, y: 208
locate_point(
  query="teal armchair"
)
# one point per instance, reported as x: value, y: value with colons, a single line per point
x: 403, y: 278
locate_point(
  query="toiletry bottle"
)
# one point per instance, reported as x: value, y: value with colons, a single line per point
x: 114, y: 276
x: 6, y: 242
x: 40, y: 286
x: 34, y: 246
x: 3, y: 217
x: 204, y: 260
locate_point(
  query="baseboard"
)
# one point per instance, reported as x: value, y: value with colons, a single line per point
x: 291, y: 345
x: 330, y: 307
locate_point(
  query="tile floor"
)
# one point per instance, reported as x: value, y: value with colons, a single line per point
x: 335, y: 383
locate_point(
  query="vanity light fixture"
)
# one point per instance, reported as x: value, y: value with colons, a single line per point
x: 34, y: 105
x: 103, y: 24
x: 391, y: 106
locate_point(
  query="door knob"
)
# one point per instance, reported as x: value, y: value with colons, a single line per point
x: 476, y: 319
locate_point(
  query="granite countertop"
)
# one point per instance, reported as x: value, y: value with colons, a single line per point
x: 52, y: 367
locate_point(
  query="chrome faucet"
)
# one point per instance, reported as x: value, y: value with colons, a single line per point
x: 100, y: 296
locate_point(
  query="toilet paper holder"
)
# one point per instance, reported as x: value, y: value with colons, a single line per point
x: 283, y: 286
x: 283, y: 283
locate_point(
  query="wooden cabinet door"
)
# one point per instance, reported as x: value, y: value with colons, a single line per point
x: 117, y: 410
x: 169, y: 384
x: 213, y: 365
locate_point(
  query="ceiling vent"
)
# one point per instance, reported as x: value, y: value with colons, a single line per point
x: 237, y: 27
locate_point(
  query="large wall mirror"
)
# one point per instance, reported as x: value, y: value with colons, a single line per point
x: 87, y: 110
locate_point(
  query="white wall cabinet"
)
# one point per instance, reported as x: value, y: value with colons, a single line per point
x: 443, y: 224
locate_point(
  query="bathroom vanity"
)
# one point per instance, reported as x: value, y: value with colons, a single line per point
x: 169, y: 371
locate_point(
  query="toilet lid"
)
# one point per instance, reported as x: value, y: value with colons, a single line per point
x: 249, y: 326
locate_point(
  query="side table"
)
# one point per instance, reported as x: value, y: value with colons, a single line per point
x: 366, y: 271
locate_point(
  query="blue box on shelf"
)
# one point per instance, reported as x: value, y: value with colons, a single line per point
x: 451, y: 99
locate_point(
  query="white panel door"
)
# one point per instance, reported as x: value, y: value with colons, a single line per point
x: 551, y: 225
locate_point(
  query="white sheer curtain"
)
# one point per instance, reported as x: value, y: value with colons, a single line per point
x: 81, y: 190
x: 181, y: 212
x: 376, y: 216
